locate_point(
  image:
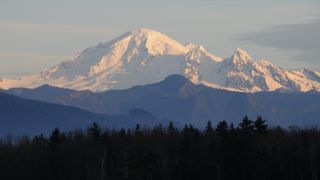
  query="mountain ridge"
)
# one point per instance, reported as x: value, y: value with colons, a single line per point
x: 145, y: 56
x: 176, y: 98
x: 32, y: 116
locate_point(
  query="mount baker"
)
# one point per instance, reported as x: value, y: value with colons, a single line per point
x: 145, y: 56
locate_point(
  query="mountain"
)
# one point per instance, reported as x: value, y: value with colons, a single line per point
x: 176, y: 98
x: 20, y: 116
x: 145, y: 56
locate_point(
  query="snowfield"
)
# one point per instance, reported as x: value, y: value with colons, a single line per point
x: 145, y: 56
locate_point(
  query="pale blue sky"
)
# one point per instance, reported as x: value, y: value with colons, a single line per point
x: 35, y: 34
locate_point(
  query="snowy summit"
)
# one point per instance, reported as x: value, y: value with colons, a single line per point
x: 146, y: 56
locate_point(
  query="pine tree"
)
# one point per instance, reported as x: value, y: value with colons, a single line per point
x: 39, y: 139
x: 209, y: 128
x: 222, y: 128
x: 246, y: 126
x: 137, y: 130
x: 231, y: 128
x: 94, y: 132
x: 171, y: 129
x: 54, y: 139
x: 158, y: 130
x: 122, y: 132
x: 260, y: 126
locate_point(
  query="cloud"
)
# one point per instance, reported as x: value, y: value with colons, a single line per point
x: 303, y: 40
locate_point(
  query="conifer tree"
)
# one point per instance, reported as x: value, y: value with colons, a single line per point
x: 260, y: 126
x: 209, y: 128
x: 137, y: 130
x: 231, y: 128
x: 54, y: 139
x: 158, y: 130
x: 171, y: 129
x: 94, y: 132
x: 222, y: 128
x: 246, y: 126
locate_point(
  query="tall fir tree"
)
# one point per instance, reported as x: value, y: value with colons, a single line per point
x: 246, y: 126
x: 209, y: 128
x: 171, y: 129
x: 94, y: 132
x: 222, y: 128
x: 55, y: 138
x: 260, y: 126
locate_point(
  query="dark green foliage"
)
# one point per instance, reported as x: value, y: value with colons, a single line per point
x: 209, y: 129
x: 55, y: 138
x: 171, y: 129
x: 260, y: 126
x: 246, y: 126
x: 138, y: 129
x: 157, y: 130
x: 222, y: 128
x: 94, y: 132
x: 250, y: 151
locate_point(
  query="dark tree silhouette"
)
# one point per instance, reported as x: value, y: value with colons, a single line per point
x: 222, y: 128
x: 209, y: 128
x: 171, y: 129
x: 246, y: 126
x: 55, y: 138
x: 260, y: 126
x: 94, y: 132
x: 165, y: 153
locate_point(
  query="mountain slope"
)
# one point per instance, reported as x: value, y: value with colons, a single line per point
x: 20, y: 116
x: 145, y: 56
x: 176, y: 98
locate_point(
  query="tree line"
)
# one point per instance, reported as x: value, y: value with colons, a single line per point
x: 250, y: 150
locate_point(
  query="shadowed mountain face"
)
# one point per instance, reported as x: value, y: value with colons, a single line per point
x: 20, y: 116
x: 178, y: 99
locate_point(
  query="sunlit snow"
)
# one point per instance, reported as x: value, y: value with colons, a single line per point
x: 145, y: 56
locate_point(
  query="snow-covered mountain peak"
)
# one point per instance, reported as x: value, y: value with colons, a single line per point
x: 138, y: 46
x: 155, y: 43
x: 265, y: 63
x: 147, y: 33
x: 241, y: 56
x: 310, y: 74
x: 199, y: 48
x: 145, y: 56
x: 190, y: 46
x: 198, y: 52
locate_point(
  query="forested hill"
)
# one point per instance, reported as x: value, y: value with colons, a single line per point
x: 248, y: 151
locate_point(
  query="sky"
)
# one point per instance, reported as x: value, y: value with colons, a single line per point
x: 37, y: 34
